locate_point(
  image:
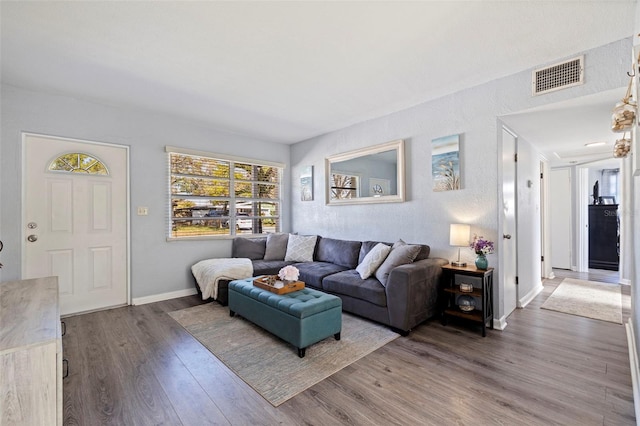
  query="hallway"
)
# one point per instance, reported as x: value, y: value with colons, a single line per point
x: 597, y: 275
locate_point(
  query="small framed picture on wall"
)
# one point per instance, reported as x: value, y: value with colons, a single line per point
x: 306, y: 183
x: 445, y: 163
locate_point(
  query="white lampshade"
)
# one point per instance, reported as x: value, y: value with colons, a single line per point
x: 459, y: 234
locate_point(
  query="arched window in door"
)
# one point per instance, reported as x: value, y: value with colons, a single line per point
x: 77, y: 162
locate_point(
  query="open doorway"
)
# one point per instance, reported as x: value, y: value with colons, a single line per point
x: 584, y: 221
x: 603, y: 216
x: 576, y: 135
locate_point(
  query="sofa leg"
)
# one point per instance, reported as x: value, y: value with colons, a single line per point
x: 337, y: 336
x: 403, y: 333
x: 301, y: 352
x: 231, y: 313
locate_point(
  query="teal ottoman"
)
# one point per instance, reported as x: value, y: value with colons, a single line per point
x: 301, y: 318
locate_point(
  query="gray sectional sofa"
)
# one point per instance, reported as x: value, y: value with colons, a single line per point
x: 408, y: 296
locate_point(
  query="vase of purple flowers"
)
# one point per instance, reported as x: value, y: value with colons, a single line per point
x: 482, y: 262
x: 482, y: 247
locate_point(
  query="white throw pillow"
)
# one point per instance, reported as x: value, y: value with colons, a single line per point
x: 300, y: 248
x: 373, y: 260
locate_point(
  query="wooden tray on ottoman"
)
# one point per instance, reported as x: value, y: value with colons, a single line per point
x: 261, y: 282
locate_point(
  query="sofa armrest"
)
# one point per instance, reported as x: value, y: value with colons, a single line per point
x: 412, y: 292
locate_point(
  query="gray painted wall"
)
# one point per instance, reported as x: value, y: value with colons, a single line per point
x: 157, y: 266
x: 426, y: 215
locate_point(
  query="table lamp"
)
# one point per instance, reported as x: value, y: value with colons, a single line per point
x: 459, y: 235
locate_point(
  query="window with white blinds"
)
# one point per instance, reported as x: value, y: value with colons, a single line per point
x: 214, y: 195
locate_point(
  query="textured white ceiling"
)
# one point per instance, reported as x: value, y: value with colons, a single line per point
x: 563, y: 130
x: 288, y: 71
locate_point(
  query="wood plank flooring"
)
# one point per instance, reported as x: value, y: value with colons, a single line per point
x: 137, y: 366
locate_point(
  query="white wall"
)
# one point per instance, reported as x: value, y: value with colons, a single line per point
x: 633, y: 255
x: 157, y: 266
x: 426, y: 215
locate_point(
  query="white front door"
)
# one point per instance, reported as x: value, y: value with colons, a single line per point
x: 509, y: 235
x: 75, y: 220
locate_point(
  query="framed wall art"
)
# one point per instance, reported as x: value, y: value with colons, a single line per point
x: 306, y: 183
x: 445, y: 163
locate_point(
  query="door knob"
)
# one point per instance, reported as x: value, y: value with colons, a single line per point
x: 32, y: 238
x: 507, y: 236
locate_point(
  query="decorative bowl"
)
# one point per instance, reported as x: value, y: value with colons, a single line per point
x: 466, y: 287
x: 466, y: 303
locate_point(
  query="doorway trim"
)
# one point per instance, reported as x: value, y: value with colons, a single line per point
x: 24, y: 136
x: 582, y: 233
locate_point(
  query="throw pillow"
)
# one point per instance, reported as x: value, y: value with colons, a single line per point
x: 250, y: 248
x: 373, y: 260
x: 300, y: 248
x: 398, y: 243
x: 401, y: 254
x: 276, y: 246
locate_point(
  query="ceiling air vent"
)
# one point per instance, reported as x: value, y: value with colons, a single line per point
x: 558, y: 76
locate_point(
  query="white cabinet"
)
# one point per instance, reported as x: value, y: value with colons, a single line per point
x: 30, y: 353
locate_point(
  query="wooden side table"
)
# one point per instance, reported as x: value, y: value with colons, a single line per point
x: 483, y: 312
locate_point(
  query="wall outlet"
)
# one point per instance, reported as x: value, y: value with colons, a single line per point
x: 143, y: 211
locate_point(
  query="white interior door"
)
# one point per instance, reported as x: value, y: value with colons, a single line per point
x: 509, y: 234
x: 75, y: 220
x: 560, y: 207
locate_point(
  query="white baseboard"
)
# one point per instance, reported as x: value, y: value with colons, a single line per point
x: 625, y: 281
x: 163, y: 296
x: 500, y: 324
x: 633, y: 361
x: 529, y: 297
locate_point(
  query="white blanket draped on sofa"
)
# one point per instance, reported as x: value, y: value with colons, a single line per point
x: 209, y: 272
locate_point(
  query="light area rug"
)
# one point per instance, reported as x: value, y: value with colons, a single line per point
x: 587, y: 299
x: 270, y: 365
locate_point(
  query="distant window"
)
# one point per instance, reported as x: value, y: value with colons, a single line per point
x: 610, y: 183
x: 213, y: 196
x: 78, y: 163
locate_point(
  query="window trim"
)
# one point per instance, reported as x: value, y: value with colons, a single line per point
x: 186, y: 151
x: 232, y: 213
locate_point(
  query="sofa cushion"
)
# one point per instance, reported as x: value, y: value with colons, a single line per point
x: 340, y: 252
x: 268, y: 267
x: 401, y: 254
x: 250, y: 248
x: 350, y: 284
x: 373, y: 260
x: 300, y: 248
x: 312, y: 273
x: 276, y: 246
